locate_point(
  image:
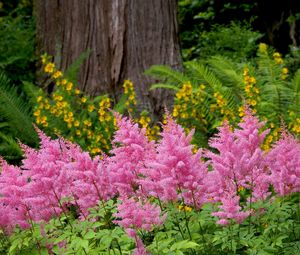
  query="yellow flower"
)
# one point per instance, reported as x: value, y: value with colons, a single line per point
x: 77, y: 91
x: 64, y: 82
x: 91, y: 108
x: 57, y: 74
x: 253, y: 102
x: 284, y: 73
x: 185, y: 208
x: 95, y: 150
x: 240, y: 188
x: 39, y: 99
x: 83, y: 99
x: 76, y: 123
x: 49, y: 68
x: 277, y: 55
x: 87, y: 123
x: 69, y: 86
x: 77, y: 132
x: 284, y: 70
x: 37, y: 113
x: 262, y: 47
x: 278, y: 61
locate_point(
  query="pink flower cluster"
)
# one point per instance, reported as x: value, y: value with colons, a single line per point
x: 59, y: 174
x: 284, y: 161
x: 138, y: 214
x: 240, y: 164
x: 175, y: 172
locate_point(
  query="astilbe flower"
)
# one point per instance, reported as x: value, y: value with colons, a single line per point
x: 48, y: 180
x: 284, y: 162
x: 230, y: 210
x: 138, y: 214
x: 89, y: 181
x: 13, y: 210
x: 131, y: 149
x: 239, y: 164
x: 175, y: 169
x: 140, y: 248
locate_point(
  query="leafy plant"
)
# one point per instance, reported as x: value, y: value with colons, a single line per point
x: 217, y: 88
x: 155, y: 197
x: 17, y: 120
x: 17, y: 46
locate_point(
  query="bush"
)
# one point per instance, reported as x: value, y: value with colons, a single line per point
x: 235, y: 41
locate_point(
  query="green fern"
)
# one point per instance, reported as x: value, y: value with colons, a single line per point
x: 71, y: 73
x: 16, y: 112
x: 167, y: 75
x: 276, y: 93
x: 31, y: 92
x: 228, y: 72
x: 9, y: 148
x: 296, y: 85
x: 202, y: 74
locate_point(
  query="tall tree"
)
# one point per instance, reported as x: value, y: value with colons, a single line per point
x: 125, y: 38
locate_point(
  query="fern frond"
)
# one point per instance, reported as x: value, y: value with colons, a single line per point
x: 296, y: 83
x: 164, y: 86
x: 167, y: 75
x: 202, y: 74
x: 72, y: 72
x: 295, y: 87
x: 226, y: 71
x: 16, y: 112
x: 9, y: 148
x: 31, y: 92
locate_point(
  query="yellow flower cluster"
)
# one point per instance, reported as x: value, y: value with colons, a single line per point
x: 277, y: 58
x: 151, y: 131
x: 130, y: 95
x: 251, y: 92
x: 187, y: 107
x: 183, y: 101
x: 221, y: 105
x: 103, y: 113
x: 272, y: 137
x: 40, y: 117
x: 294, y: 124
x: 184, y: 208
x: 67, y: 106
x: 284, y: 73
x: 262, y: 48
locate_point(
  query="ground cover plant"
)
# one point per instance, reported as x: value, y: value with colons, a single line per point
x: 161, y: 197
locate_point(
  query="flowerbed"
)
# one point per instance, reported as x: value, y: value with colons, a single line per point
x: 155, y: 197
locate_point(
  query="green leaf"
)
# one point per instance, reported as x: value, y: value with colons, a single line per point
x: 90, y: 235
x: 183, y: 245
x: 164, y: 86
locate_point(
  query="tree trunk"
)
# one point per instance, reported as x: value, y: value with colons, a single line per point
x: 125, y: 38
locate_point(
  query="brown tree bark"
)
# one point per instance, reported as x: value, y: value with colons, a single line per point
x: 125, y: 38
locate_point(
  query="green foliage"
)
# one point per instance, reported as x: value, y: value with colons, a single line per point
x: 217, y: 88
x: 17, y: 45
x: 73, y: 70
x: 219, y: 41
x: 275, y: 230
x: 17, y: 121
